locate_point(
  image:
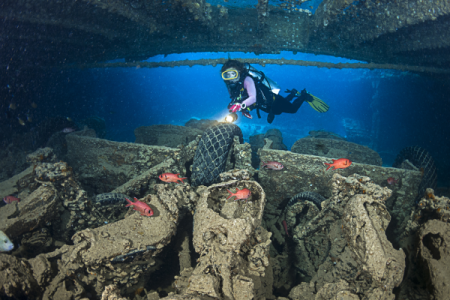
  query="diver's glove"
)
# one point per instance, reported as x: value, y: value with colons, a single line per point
x: 246, y: 113
x: 293, y: 91
x: 303, y: 94
x: 236, y: 107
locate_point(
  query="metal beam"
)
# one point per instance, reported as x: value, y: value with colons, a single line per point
x: 263, y: 62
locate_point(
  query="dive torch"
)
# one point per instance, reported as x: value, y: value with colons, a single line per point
x: 231, y: 117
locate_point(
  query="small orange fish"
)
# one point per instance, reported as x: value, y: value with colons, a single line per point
x: 240, y: 194
x: 340, y: 163
x: 170, y: 177
x: 392, y: 180
x: 141, y: 207
x: 285, y: 227
x: 10, y: 199
x: 271, y: 165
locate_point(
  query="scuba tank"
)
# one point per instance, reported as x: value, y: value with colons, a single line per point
x: 269, y: 83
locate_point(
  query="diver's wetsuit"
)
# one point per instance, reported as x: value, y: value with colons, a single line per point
x: 278, y: 106
x: 284, y: 105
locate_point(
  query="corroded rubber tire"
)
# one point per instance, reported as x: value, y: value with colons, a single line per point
x: 421, y: 159
x: 110, y: 198
x: 310, y: 196
x: 212, y: 151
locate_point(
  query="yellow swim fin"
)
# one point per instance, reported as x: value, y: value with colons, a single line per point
x: 317, y: 104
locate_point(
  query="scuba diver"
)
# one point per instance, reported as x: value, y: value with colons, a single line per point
x: 250, y: 89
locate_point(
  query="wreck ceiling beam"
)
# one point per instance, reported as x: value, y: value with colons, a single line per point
x: 429, y: 35
x: 263, y: 62
x: 390, y: 33
x: 367, y: 20
x: 69, y: 24
x: 70, y: 16
x: 134, y: 11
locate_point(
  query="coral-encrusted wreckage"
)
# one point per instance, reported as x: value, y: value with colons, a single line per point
x: 302, y: 232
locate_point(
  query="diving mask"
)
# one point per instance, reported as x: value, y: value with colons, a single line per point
x: 230, y: 74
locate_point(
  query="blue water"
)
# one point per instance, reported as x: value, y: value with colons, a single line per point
x: 413, y: 109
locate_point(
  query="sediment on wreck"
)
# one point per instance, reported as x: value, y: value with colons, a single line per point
x: 425, y: 241
x: 117, y: 163
x: 307, y: 173
x: 343, y: 248
x: 331, y: 240
x: 121, y: 250
x: 121, y: 253
x: 233, y: 247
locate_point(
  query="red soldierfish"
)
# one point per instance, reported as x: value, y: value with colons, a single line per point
x: 340, y: 163
x: 392, y: 180
x: 141, y: 207
x: 10, y: 199
x: 240, y: 194
x: 272, y: 165
x: 285, y: 227
x: 170, y: 177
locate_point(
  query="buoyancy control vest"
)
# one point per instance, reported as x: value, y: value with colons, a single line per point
x: 263, y: 79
